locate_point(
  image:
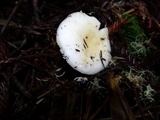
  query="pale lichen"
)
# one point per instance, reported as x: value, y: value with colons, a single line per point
x: 95, y: 84
x: 135, y: 76
x: 149, y: 93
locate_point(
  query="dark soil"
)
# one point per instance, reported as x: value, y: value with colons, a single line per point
x: 36, y: 83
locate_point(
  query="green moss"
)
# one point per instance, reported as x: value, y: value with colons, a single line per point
x: 134, y: 35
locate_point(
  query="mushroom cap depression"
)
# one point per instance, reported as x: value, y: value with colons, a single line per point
x: 83, y: 44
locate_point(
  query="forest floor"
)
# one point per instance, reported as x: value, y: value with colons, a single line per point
x: 36, y: 83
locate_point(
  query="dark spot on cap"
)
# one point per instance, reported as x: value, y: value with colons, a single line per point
x: 91, y: 65
x: 102, y: 38
x: 92, y: 58
x: 77, y: 50
x: 85, y: 44
x: 103, y: 59
x: 77, y: 45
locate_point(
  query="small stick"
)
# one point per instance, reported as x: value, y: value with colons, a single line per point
x: 101, y: 58
x: 10, y: 17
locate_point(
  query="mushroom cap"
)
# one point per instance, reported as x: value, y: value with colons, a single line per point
x: 83, y: 44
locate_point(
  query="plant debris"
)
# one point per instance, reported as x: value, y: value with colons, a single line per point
x: 36, y: 82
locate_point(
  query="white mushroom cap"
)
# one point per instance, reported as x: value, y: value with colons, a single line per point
x: 83, y: 45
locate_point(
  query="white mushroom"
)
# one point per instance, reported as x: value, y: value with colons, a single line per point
x: 83, y: 45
